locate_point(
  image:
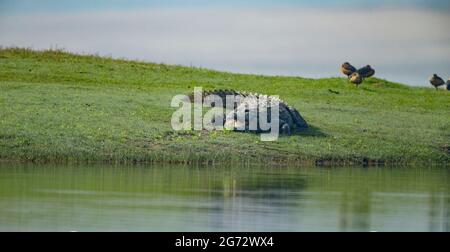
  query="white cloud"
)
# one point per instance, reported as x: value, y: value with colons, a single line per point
x: 404, y: 45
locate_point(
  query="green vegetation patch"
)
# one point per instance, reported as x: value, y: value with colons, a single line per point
x: 57, y: 106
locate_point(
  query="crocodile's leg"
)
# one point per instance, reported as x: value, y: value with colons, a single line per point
x: 285, y: 128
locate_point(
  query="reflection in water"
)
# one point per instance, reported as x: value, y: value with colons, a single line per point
x: 355, y: 211
x: 180, y: 198
x: 446, y: 221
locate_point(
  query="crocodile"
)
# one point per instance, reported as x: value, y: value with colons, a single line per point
x: 289, y: 121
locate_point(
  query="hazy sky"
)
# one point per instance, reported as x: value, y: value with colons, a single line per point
x: 406, y: 41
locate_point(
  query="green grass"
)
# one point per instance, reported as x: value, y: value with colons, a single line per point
x: 56, y: 106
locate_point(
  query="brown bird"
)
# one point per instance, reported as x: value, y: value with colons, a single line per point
x: 436, y: 81
x: 347, y: 69
x: 356, y: 78
x: 366, y: 71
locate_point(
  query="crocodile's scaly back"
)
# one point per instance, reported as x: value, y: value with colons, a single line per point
x: 221, y: 93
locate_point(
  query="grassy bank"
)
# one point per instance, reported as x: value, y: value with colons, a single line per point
x: 56, y: 106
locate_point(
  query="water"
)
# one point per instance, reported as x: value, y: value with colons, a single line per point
x: 180, y: 198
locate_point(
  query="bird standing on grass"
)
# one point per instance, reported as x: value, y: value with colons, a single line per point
x: 436, y: 81
x: 347, y: 69
x: 366, y: 71
x: 356, y: 78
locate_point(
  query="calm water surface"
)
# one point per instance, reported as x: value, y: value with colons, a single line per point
x: 179, y: 198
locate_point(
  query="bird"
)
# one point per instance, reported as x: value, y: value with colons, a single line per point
x: 347, y: 69
x: 366, y: 71
x: 436, y: 81
x: 356, y: 78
